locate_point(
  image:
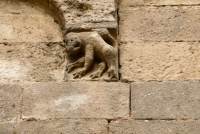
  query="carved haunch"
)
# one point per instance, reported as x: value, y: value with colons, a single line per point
x: 93, y: 46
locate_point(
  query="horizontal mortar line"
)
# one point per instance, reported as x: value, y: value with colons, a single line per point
x: 181, y: 41
x: 161, y: 5
x: 30, y: 42
x: 165, y: 119
x: 129, y: 82
x: 60, y: 119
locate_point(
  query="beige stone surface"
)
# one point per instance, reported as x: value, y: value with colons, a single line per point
x: 78, y: 12
x: 10, y: 102
x: 24, y: 22
x: 7, y: 128
x: 130, y: 3
x: 154, y: 127
x: 160, y: 61
x: 23, y: 62
x: 165, y: 100
x: 89, y: 126
x: 75, y: 100
x: 170, y: 23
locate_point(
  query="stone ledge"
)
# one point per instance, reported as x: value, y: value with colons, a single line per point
x: 165, y: 100
x: 154, y: 127
x: 75, y: 100
x: 56, y: 127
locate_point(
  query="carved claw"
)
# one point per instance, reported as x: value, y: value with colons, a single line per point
x: 111, y: 74
x: 79, y: 74
x: 70, y: 67
x: 96, y: 75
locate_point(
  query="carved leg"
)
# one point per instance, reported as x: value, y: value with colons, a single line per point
x: 110, y: 59
x: 79, y: 63
x: 99, y: 72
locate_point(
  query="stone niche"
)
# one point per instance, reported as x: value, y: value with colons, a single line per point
x: 92, y: 54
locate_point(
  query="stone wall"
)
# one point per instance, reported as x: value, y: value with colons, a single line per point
x: 158, y: 91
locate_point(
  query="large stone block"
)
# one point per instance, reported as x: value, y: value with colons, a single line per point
x: 154, y: 127
x: 165, y: 100
x: 130, y: 3
x: 159, y: 24
x: 160, y: 61
x: 56, y: 127
x: 22, y: 62
x: 75, y: 100
x: 10, y: 102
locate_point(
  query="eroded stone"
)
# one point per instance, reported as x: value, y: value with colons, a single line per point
x: 75, y: 100
x: 24, y: 22
x: 141, y: 24
x: 127, y: 3
x: 159, y: 61
x: 10, y: 102
x: 165, y: 100
x: 91, y: 126
x: 23, y: 62
x: 154, y: 127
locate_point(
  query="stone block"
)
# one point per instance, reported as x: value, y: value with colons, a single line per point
x: 7, y: 127
x: 154, y: 127
x: 75, y: 100
x: 21, y: 22
x: 142, y: 24
x: 10, y: 102
x: 159, y: 61
x: 91, y: 126
x: 165, y: 100
x: 131, y: 3
x: 31, y: 62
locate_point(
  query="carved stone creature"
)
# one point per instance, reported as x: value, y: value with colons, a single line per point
x: 91, y: 44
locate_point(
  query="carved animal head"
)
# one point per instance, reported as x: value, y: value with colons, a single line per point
x: 73, y: 43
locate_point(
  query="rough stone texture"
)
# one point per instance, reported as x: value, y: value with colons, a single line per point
x: 160, y: 61
x: 22, y: 62
x: 131, y: 3
x: 154, y: 127
x: 56, y: 127
x: 24, y: 22
x: 159, y: 24
x: 75, y: 100
x: 165, y: 100
x: 10, y: 102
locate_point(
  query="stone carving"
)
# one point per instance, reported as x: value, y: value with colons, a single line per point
x: 92, y: 44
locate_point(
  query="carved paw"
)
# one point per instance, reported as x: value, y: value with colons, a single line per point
x: 111, y: 74
x: 70, y: 67
x: 79, y: 74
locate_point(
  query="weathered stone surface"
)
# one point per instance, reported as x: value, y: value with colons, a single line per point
x: 22, y: 62
x: 154, y: 127
x: 7, y: 128
x: 127, y: 3
x: 75, y: 100
x: 159, y: 24
x: 165, y: 100
x: 56, y: 127
x: 160, y: 61
x: 23, y: 22
x: 10, y: 102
